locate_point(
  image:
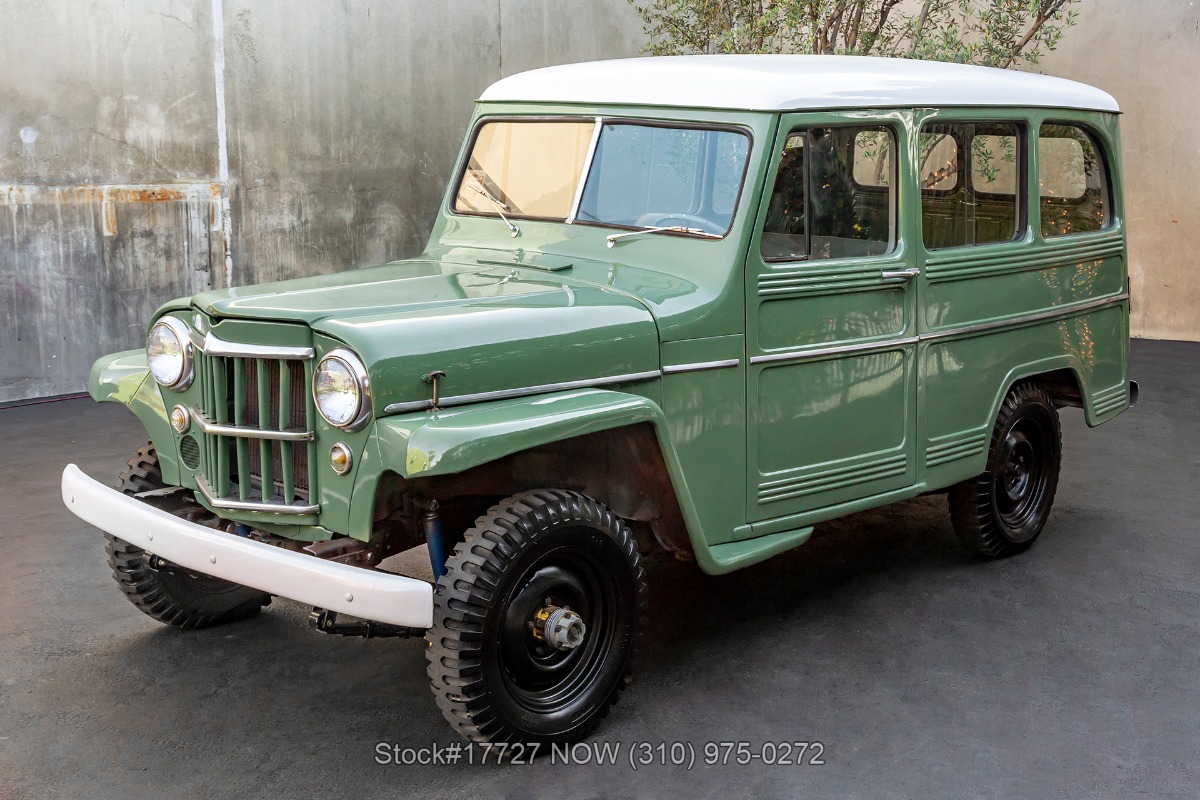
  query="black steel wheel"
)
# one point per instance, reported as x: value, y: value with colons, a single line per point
x: 535, y: 620
x: 170, y: 594
x: 1001, y: 511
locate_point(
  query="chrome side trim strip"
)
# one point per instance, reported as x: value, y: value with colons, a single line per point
x: 949, y: 333
x: 1015, y: 322
x: 212, y: 345
x: 250, y: 505
x: 221, y: 429
x: 821, y: 352
x: 699, y: 366
x: 586, y: 171
x: 524, y: 391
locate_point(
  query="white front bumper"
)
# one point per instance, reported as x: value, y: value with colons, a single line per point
x: 307, y: 579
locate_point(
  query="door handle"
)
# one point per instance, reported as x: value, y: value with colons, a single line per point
x: 900, y: 274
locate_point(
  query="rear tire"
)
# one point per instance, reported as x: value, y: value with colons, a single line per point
x: 492, y: 668
x: 1002, y: 511
x: 168, y: 593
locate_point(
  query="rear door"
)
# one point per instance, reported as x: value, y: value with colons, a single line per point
x: 830, y: 322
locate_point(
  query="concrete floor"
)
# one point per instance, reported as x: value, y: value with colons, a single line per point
x: 1070, y: 671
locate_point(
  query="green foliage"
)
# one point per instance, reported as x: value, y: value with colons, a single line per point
x: 998, y: 33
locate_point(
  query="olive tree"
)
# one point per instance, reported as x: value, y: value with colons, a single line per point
x: 997, y: 33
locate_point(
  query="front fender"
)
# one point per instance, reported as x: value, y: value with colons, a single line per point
x: 451, y: 441
x: 124, y: 378
x: 427, y: 445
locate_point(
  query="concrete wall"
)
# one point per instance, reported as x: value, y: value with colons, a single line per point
x: 1146, y: 54
x: 120, y: 188
x: 108, y: 165
x: 341, y: 121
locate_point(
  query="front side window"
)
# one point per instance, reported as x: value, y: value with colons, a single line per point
x: 833, y: 195
x: 641, y: 175
x: 971, y: 181
x: 1073, y: 181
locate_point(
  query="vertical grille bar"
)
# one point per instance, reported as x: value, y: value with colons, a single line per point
x: 206, y: 456
x: 311, y: 414
x: 210, y: 405
x: 285, y: 416
x: 300, y: 420
x: 265, y: 456
x: 239, y: 418
x: 221, y: 410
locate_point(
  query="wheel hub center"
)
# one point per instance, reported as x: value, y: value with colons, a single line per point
x: 1017, y: 471
x: 559, y: 627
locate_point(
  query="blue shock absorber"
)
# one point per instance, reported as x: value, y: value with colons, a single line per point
x: 431, y: 521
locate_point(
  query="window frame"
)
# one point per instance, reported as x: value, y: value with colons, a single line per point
x: 600, y: 120
x: 893, y: 190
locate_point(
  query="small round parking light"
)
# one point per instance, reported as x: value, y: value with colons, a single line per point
x: 181, y: 420
x: 340, y: 458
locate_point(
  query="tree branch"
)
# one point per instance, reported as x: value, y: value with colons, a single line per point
x: 920, y: 26
x: 1045, y: 12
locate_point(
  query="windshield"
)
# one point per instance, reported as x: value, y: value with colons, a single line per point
x: 641, y: 175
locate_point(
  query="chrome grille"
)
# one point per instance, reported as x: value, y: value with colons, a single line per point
x: 254, y: 411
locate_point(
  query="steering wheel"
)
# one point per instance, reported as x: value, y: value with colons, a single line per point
x: 652, y: 219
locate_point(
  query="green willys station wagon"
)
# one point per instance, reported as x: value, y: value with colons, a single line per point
x: 694, y: 305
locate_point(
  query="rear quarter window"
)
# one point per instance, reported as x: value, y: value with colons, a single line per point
x: 1072, y: 181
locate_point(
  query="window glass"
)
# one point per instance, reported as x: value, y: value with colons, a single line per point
x: 530, y: 168
x: 939, y: 161
x: 1072, y: 177
x: 979, y: 204
x: 817, y: 209
x: 649, y: 176
x: 873, y: 158
x: 994, y: 164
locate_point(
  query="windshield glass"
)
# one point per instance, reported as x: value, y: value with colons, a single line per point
x: 529, y: 168
x: 642, y: 175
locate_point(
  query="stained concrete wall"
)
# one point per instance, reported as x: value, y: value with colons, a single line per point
x: 107, y: 180
x: 341, y: 121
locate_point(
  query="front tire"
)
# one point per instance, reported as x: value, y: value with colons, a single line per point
x: 1002, y: 511
x: 492, y: 666
x: 164, y: 591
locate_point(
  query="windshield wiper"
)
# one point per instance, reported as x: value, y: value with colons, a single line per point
x: 612, y: 239
x: 500, y: 208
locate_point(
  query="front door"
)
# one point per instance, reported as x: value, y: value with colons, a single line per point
x: 830, y: 330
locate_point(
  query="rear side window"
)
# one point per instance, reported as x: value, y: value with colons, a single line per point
x: 833, y: 195
x: 1073, y: 181
x: 971, y: 183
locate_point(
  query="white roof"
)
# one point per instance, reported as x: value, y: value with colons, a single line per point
x: 785, y: 82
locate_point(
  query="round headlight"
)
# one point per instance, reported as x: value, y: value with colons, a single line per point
x: 169, y: 353
x: 341, y: 390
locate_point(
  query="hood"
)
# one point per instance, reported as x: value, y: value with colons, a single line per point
x: 489, y: 328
